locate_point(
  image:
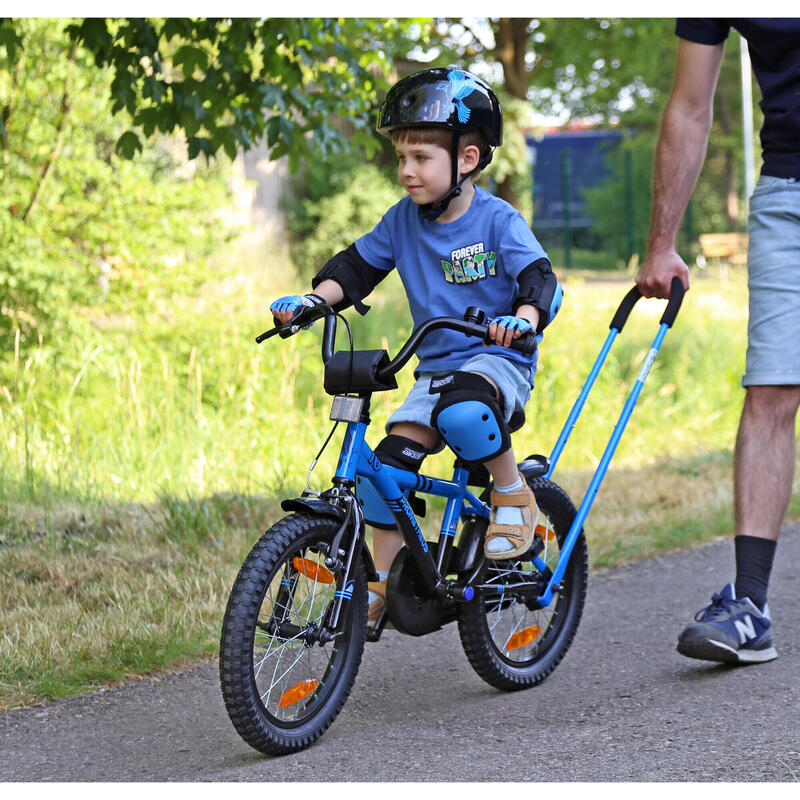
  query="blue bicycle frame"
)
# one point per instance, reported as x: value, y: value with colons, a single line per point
x: 358, y: 459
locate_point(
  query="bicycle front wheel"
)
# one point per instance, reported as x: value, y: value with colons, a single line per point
x: 508, y: 639
x: 283, y: 681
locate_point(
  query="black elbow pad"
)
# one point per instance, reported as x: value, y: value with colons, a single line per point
x: 539, y: 287
x: 356, y: 277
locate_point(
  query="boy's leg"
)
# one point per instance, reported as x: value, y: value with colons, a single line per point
x: 472, y: 413
x: 388, y: 541
x: 509, y: 487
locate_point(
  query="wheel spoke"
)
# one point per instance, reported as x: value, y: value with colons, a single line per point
x: 304, y: 610
x: 271, y: 650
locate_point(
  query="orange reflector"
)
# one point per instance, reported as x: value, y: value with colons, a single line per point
x: 523, y: 637
x: 313, y: 570
x: 297, y: 693
x: 546, y: 532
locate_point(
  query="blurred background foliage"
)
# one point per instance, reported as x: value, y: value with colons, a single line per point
x: 83, y: 230
x: 116, y: 138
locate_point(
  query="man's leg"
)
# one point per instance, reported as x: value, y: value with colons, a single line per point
x: 763, y: 475
x: 764, y: 462
x: 736, y: 626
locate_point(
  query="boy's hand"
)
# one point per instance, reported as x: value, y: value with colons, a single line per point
x: 285, y: 309
x: 503, y: 330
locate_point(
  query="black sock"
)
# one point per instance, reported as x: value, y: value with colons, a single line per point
x: 753, y: 564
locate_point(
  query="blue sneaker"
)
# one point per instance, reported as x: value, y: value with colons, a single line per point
x: 729, y: 630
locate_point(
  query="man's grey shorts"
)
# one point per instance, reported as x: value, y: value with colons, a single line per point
x: 773, y: 258
x: 510, y: 377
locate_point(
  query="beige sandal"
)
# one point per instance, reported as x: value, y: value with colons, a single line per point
x: 378, y: 606
x: 520, y: 536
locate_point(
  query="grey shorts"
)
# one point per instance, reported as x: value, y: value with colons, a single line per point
x: 773, y: 258
x: 512, y: 380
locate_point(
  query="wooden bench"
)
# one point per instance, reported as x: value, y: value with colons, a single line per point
x: 727, y: 247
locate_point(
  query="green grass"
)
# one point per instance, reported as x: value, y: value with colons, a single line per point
x: 138, y: 468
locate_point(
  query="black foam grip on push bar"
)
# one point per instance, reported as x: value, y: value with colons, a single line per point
x: 625, y: 308
x: 676, y: 293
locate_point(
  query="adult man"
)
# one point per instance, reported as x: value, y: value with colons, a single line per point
x: 736, y: 626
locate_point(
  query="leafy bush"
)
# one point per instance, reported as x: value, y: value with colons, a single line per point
x: 323, y: 224
x: 80, y: 228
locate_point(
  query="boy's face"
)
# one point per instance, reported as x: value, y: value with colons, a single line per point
x: 423, y: 170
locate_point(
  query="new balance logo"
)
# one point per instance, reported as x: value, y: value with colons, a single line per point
x: 745, y: 628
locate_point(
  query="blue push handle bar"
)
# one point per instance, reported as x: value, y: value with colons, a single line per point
x: 617, y: 323
x: 676, y: 298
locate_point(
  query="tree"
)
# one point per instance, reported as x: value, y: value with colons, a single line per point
x: 601, y: 68
x: 229, y: 82
x: 611, y: 71
x: 81, y: 227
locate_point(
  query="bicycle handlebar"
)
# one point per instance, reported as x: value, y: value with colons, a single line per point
x: 471, y: 325
x: 526, y: 344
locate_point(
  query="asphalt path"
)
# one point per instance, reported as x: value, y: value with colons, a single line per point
x: 622, y: 706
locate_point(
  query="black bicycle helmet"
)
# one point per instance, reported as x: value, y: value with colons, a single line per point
x: 450, y: 98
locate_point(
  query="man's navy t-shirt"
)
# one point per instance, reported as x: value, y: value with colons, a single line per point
x: 774, y: 46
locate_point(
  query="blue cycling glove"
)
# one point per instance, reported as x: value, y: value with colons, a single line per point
x: 512, y: 323
x: 296, y: 303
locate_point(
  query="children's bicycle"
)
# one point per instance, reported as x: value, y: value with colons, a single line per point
x: 296, y: 622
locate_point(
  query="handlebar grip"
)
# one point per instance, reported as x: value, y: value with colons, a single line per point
x: 267, y: 334
x: 676, y: 293
x: 526, y: 344
x: 625, y: 308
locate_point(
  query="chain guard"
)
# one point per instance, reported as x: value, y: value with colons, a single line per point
x: 411, y: 607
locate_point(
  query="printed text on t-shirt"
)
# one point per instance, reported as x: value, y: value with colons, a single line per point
x: 468, y: 264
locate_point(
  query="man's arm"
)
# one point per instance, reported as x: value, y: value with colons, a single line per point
x: 680, y: 154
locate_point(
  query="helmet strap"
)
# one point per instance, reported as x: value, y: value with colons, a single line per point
x: 432, y: 211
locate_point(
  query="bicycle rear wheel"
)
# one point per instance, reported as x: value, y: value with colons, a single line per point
x: 282, y: 683
x: 509, y: 641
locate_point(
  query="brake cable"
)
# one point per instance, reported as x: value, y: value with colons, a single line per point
x: 335, y: 425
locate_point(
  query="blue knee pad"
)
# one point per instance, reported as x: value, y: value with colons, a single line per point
x: 395, y: 451
x: 468, y: 417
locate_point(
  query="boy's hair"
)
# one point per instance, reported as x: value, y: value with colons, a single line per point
x: 441, y: 137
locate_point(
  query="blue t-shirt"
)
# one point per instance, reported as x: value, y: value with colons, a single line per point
x: 446, y: 267
x: 774, y: 46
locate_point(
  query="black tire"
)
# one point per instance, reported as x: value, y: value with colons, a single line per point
x: 488, y: 623
x: 267, y: 645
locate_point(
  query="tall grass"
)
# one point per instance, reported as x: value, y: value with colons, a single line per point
x: 192, y: 404
x: 137, y: 468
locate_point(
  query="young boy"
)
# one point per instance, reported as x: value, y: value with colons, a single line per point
x: 454, y: 245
